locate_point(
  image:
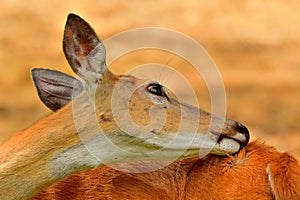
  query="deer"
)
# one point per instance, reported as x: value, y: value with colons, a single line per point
x: 257, y: 171
x: 75, y: 137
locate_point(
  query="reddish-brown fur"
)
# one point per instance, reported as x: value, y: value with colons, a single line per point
x: 248, y: 175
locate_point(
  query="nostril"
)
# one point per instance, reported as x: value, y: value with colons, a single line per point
x: 243, y: 129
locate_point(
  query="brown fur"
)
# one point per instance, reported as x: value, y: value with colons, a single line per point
x: 242, y: 176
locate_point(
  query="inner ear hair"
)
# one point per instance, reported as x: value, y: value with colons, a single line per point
x: 55, y: 89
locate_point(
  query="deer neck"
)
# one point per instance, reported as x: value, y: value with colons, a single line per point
x: 46, y: 152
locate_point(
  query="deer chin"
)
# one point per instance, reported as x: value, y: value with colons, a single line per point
x: 186, y: 145
x: 161, y: 147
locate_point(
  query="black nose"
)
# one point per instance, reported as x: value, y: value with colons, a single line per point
x: 243, y: 129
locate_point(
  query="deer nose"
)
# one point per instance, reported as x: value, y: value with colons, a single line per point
x: 244, y: 131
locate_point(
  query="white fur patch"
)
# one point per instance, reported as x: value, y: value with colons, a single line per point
x: 271, y: 182
x: 72, y: 160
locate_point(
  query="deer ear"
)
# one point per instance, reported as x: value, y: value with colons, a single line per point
x: 55, y: 88
x: 83, y: 49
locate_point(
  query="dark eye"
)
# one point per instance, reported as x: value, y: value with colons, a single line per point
x: 156, y: 89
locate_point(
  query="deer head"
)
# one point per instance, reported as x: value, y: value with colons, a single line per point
x: 139, y: 106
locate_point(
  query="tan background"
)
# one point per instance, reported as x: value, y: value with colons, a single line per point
x: 255, y: 44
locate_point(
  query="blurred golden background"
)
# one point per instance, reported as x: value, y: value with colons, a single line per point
x: 255, y: 44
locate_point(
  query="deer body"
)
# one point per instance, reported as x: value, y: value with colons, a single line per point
x: 256, y: 172
x: 74, y: 138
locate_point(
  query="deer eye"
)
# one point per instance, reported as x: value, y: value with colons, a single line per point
x: 156, y: 89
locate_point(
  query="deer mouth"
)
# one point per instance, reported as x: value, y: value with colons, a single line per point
x: 228, y: 144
